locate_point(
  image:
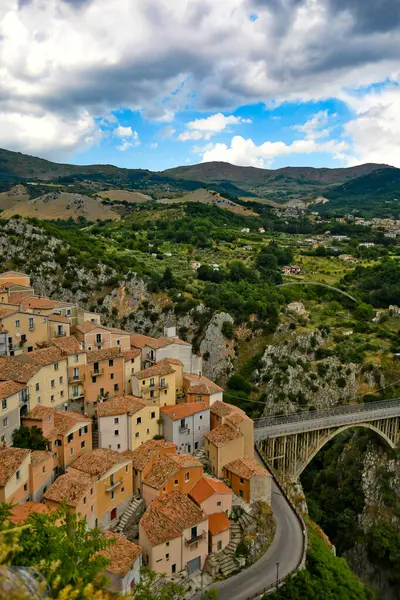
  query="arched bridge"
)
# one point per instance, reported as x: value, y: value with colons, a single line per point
x: 324, y: 285
x: 289, y: 443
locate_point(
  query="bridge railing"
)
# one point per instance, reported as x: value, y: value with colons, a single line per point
x: 328, y: 412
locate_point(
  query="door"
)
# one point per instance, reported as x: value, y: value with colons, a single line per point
x: 193, y: 565
x: 113, y: 514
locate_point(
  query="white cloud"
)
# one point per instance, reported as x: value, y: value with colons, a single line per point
x: 167, y: 132
x: 123, y: 132
x: 131, y: 139
x: 315, y: 127
x: 205, y: 128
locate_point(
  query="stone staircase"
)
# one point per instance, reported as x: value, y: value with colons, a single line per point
x: 201, y: 456
x: 227, y: 561
x: 134, y: 507
x: 247, y: 522
x: 95, y: 439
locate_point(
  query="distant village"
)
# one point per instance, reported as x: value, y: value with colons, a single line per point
x: 139, y: 442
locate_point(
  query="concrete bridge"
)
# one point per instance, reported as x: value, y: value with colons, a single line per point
x: 288, y: 443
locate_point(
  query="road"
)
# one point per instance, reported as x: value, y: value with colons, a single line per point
x: 286, y: 549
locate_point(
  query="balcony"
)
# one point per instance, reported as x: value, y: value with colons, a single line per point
x: 154, y: 388
x: 150, y: 358
x: 96, y: 372
x: 196, y: 538
x: 76, y: 378
x: 23, y: 401
x: 113, y: 486
x: 184, y: 430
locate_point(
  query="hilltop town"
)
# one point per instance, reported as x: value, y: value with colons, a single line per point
x: 135, y: 440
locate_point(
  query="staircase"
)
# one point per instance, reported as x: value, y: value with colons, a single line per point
x: 246, y: 522
x: 227, y: 561
x: 128, y: 513
x: 95, y: 439
x: 201, y: 456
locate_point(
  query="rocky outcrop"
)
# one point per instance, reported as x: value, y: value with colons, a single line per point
x: 217, y: 350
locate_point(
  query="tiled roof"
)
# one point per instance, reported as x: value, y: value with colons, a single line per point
x: 121, y: 405
x: 161, y: 368
x: 174, y: 361
x: 105, y: 354
x: 167, y: 466
x: 246, y: 467
x: 42, y: 357
x: 180, y: 411
x: 39, y: 412
x: 39, y: 456
x: 223, y: 409
x: 7, y: 310
x: 9, y: 388
x: 17, y: 297
x: 66, y: 420
x: 168, y: 516
x: 21, y: 512
x: 221, y: 435
x: 129, y: 354
x: 235, y: 419
x: 99, y: 461
x: 16, y: 370
x: 39, y: 303
x: 12, y: 273
x: 11, y: 284
x: 207, y: 487
x: 145, y: 452
x: 199, y: 384
x: 67, y: 344
x: 70, y: 488
x: 10, y: 461
x: 218, y: 522
x: 59, y: 319
x: 122, y: 554
x: 88, y: 326
x: 117, y: 331
x: 140, y: 341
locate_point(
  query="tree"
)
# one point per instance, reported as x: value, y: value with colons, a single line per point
x: 29, y: 437
x: 228, y: 329
x: 167, y: 591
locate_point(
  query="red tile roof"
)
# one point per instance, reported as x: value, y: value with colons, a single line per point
x: 9, y: 388
x: 40, y: 456
x: 246, y: 467
x: 21, y: 512
x: 207, y: 487
x: 167, y: 466
x: 161, y: 368
x: 121, y: 405
x: 39, y: 303
x: 221, y: 435
x: 70, y: 488
x: 199, y: 384
x: 122, y: 554
x: 180, y: 411
x: 10, y: 461
x: 17, y: 370
x: 99, y: 461
x: 146, y: 452
x: 67, y: 344
x: 218, y: 522
x: 130, y: 354
x: 105, y: 354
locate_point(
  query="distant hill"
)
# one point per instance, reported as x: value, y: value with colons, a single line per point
x: 204, y: 196
x: 16, y: 195
x: 62, y: 205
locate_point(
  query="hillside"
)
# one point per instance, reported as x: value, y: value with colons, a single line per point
x: 62, y: 205
x: 16, y: 195
x: 204, y: 196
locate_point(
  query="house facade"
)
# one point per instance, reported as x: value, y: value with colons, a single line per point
x: 77, y: 491
x: 14, y: 402
x: 185, y: 425
x: 125, y: 558
x: 212, y: 496
x: 144, y: 457
x: 105, y: 372
x: 249, y: 480
x: 156, y: 384
x: 14, y: 475
x: 222, y: 445
x: 198, y: 388
x: 223, y: 413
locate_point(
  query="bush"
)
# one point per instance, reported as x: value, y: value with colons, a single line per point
x: 228, y: 330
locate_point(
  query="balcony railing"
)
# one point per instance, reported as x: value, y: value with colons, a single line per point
x: 184, y: 430
x: 96, y: 372
x: 113, y: 486
x: 196, y: 538
x: 76, y: 378
x: 150, y: 358
x: 154, y: 388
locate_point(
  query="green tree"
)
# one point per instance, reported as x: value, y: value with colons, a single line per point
x: 167, y: 591
x: 29, y: 437
x: 228, y: 329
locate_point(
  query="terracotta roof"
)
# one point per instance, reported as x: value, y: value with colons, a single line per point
x: 122, y: 554
x: 167, y: 466
x: 9, y: 388
x: 161, y: 368
x: 21, y: 512
x: 235, y: 419
x: 67, y: 344
x: 180, y: 411
x: 223, y: 409
x: 10, y: 461
x: 117, y: 331
x: 6, y: 310
x: 11, y: 284
x: 99, y: 461
x: 39, y: 303
x: 70, y: 488
x: 145, y: 452
x: 199, y: 384
x: 42, y: 357
x: 246, y: 467
x: 207, y: 487
x: 218, y: 522
x: 121, y: 405
x: 65, y: 420
x: 17, y: 297
x: 221, y: 435
x: 11, y: 272
x: 174, y: 361
x: 39, y: 412
x: 140, y: 341
x: 129, y: 354
x: 87, y: 327
x: 2, y: 290
x: 168, y: 516
x: 16, y: 370
x: 105, y: 354
x: 39, y: 456
x: 59, y: 319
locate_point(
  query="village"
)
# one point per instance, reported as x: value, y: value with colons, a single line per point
x: 138, y: 442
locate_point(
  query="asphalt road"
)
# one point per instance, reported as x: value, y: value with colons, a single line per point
x: 286, y: 549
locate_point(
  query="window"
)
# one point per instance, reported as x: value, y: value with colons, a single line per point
x: 53, y: 383
x: 199, y: 398
x: 93, y: 379
x: 96, y: 367
x: 201, y: 416
x: 5, y: 422
x: 162, y: 382
x: 75, y: 390
x: 31, y: 324
x: 49, y: 419
x: 92, y: 508
x: 38, y: 400
x: 138, y: 420
x: 187, y: 476
x: 151, y: 393
x: 219, y: 545
x: 137, y: 434
x: 122, y: 490
x: 167, y: 557
x: 4, y: 404
x: 167, y: 544
x: 83, y: 444
x: 43, y: 469
x: 132, y: 371
x: 52, y: 398
x: 61, y: 380
x: 176, y: 482
x: 127, y: 469
x: 111, y: 375
x: 112, y: 495
x: 76, y: 357
x: 116, y: 420
x: 219, y: 503
x: 196, y: 445
x: 116, y: 432
x: 91, y: 491
x: 173, y: 569
x: 30, y: 348
x: 98, y: 338
x: 113, y: 514
x: 118, y: 342
x: 101, y: 391
x: 147, y: 431
x: 23, y: 338
x: 151, y: 382
x: 84, y: 500
x: 116, y: 387
x: 153, y: 415
x: 56, y: 366
x: 241, y: 480
x: 18, y: 475
x: 110, y: 363
x: 71, y: 451
x: 68, y: 312
x: 118, y: 446
x: 70, y: 438
x: 17, y: 323
x: 193, y: 532
x: 62, y: 394
x: 25, y: 487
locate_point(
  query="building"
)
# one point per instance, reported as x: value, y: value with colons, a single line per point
x: 144, y: 457
x: 248, y: 479
x: 69, y: 434
x: 223, y: 444
x: 14, y: 475
x: 186, y: 424
x: 133, y: 364
x: 77, y: 491
x: 173, y: 534
x: 59, y: 326
x: 21, y: 512
x: 14, y: 399
x: 41, y: 473
x: 112, y: 474
x: 76, y: 314
x: 24, y: 330
x: 156, y: 384
x: 172, y: 472
x: 125, y: 422
x: 105, y: 374
x: 198, y: 388
x: 93, y: 336
x: 223, y: 413
x: 16, y: 278
x: 212, y: 496
x: 219, y: 532
x: 125, y: 558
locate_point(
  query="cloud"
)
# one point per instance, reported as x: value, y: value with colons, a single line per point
x: 167, y: 132
x: 205, y: 128
x: 121, y: 131
x: 154, y: 146
x: 315, y: 127
x: 130, y: 138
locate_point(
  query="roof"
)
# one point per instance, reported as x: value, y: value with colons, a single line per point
x: 218, y: 522
x: 122, y: 554
x: 40, y: 456
x: 11, y: 284
x: 168, y: 516
x: 10, y: 461
x: 105, y: 354
x: 145, y: 452
x: 223, y: 409
x: 167, y: 466
x: 9, y: 388
x: 12, y: 273
x: 180, y: 411
x: 17, y: 297
x: 17, y: 370
x: 6, y: 310
x: 42, y: 357
x: 121, y: 405
x: 59, y: 319
x: 117, y: 331
x: 67, y: 344
x: 161, y: 368
x: 207, y: 487
x: 66, y: 420
x: 21, y: 512
x: 39, y: 303
x: 246, y: 467
x: 221, y: 435
x: 88, y: 326
x: 99, y: 461
x: 129, y: 354
x: 39, y: 412
x: 199, y: 384
x: 69, y: 488
x: 174, y: 361
x: 140, y: 341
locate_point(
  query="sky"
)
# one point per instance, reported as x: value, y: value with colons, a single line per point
x: 160, y: 83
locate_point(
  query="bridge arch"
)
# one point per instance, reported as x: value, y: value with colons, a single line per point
x: 324, y: 285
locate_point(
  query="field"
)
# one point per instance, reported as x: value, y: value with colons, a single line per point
x: 204, y: 196
x: 124, y: 196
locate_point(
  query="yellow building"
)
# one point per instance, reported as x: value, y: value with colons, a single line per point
x: 222, y: 413
x: 59, y: 326
x: 126, y: 422
x: 24, y: 330
x: 14, y: 475
x: 16, y: 278
x: 156, y: 384
x: 133, y: 359
x: 93, y: 336
x: 14, y: 402
x: 222, y: 445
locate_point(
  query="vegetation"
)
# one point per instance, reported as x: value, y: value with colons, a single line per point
x: 29, y: 437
